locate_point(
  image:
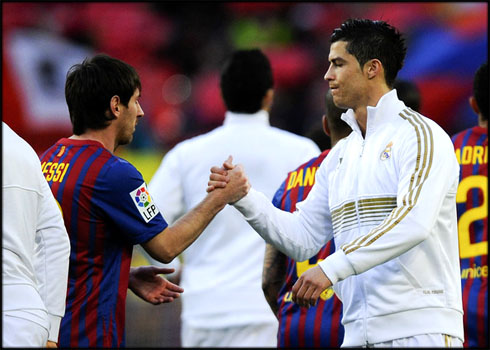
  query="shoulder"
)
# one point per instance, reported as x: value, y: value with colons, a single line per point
x: 17, y: 153
x: 121, y: 174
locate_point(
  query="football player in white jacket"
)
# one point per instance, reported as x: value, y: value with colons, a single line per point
x: 386, y: 195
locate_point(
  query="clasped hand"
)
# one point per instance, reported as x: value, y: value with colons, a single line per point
x: 230, y: 179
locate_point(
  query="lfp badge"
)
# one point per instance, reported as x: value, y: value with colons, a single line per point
x: 142, y: 199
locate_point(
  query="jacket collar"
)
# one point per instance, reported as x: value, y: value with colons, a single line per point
x: 378, y: 115
x: 259, y: 118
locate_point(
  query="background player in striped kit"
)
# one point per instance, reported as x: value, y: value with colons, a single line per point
x: 107, y: 208
x: 471, y: 146
x: 318, y: 326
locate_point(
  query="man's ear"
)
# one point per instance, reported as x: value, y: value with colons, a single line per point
x: 474, y: 105
x: 373, y: 68
x: 115, y: 105
x: 268, y: 99
x: 326, y: 129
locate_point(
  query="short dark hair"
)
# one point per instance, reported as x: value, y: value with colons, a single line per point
x: 245, y: 79
x: 89, y: 87
x: 409, y: 93
x: 368, y: 39
x: 480, y: 89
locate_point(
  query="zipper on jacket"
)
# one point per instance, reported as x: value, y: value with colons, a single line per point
x: 363, y: 289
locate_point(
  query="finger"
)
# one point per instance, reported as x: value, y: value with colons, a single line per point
x: 168, y: 294
x: 315, y: 296
x: 216, y: 184
x: 308, y: 298
x: 300, y: 299
x: 210, y: 189
x: 219, y: 177
x: 296, y: 288
x: 218, y: 170
x: 163, y: 270
x: 174, y: 288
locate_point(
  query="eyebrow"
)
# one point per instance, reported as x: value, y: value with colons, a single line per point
x: 337, y: 60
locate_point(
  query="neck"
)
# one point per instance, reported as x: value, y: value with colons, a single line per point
x: 102, y: 136
x: 482, y: 123
x: 375, y: 93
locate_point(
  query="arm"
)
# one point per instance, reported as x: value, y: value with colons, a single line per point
x: 52, y: 259
x: 169, y: 243
x: 273, y: 276
x: 146, y: 283
x: 299, y: 235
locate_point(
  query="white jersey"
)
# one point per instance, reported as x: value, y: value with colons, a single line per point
x: 388, y: 200
x: 222, y: 270
x: 35, y: 244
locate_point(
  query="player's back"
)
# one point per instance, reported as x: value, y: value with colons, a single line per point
x: 471, y: 147
x: 228, y: 254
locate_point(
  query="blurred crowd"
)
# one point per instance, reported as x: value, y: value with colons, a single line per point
x: 179, y: 48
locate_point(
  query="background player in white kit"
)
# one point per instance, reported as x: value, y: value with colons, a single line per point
x: 223, y: 303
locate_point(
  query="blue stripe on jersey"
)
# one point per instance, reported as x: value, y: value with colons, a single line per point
x: 473, y: 299
x: 83, y: 340
x: 309, y: 320
x: 59, y: 194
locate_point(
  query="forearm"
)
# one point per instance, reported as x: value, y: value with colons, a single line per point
x: 273, y: 276
x: 177, y: 237
x: 290, y: 233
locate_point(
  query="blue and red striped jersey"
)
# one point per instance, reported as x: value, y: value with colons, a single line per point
x: 317, y: 326
x: 471, y: 147
x: 107, y: 209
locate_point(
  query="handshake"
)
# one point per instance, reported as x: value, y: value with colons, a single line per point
x: 229, y: 182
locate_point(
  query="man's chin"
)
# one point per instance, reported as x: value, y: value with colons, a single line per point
x: 125, y: 141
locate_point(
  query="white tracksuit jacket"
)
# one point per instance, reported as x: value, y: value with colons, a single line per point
x: 388, y: 200
x: 35, y: 244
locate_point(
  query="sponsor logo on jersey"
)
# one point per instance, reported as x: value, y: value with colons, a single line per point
x: 386, y: 152
x: 142, y: 199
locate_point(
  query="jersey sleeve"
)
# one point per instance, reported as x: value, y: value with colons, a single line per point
x: 279, y: 195
x: 126, y: 201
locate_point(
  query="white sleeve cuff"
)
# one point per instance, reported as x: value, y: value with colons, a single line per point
x: 337, y: 267
x: 247, y: 205
x: 54, y: 327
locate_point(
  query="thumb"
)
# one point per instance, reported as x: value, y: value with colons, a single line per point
x: 228, y: 163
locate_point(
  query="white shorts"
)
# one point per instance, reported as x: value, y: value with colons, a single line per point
x: 18, y: 330
x: 433, y: 340
x: 256, y: 335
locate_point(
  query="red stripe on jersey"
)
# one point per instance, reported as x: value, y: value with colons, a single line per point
x: 85, y: 235
x: 317, y: 327
x: 301, y: 326
x: 122, y: 292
